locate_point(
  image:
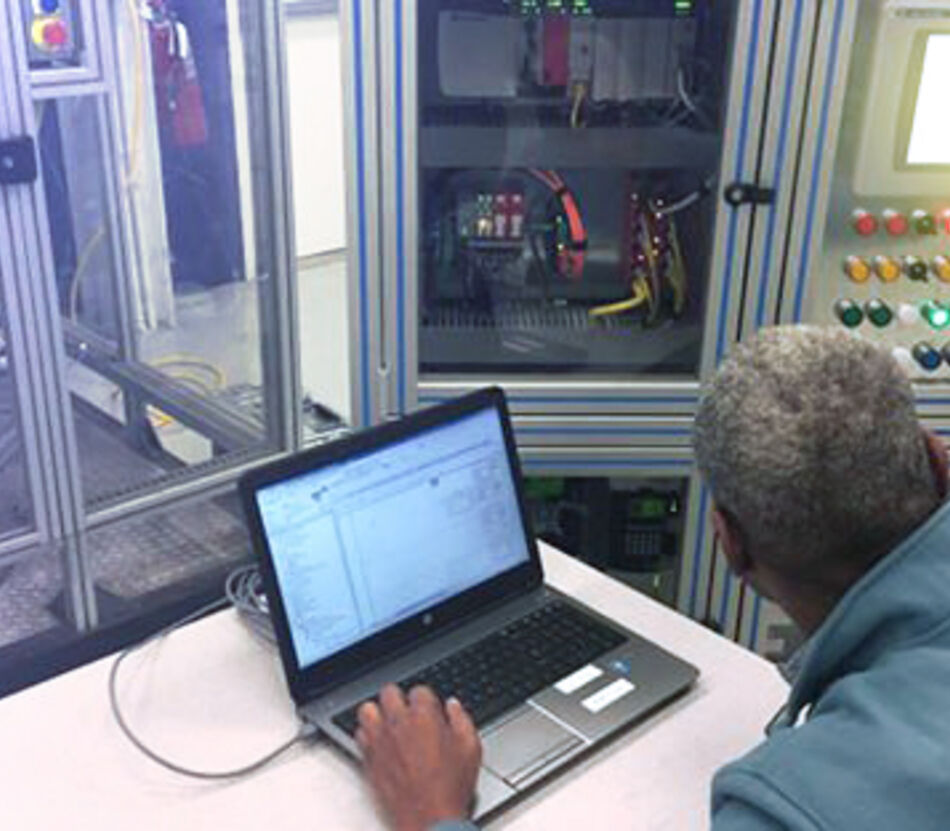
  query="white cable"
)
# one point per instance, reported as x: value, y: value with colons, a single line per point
x: 688, y: 199
x: 687, y: 99
x: 683, y: 93
x: 307, y: 731
x: 244, y: 589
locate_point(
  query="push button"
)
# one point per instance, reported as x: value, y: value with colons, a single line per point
x: 849, y: 313
x: 878, y: 312
x: 924, y: 223
x: 936, y: 314
x: 864, y: 223
x: 895, y: 223
x: 915, y: 268
x: 926, y: 356
x: 857, y: 269
x: 887, y: 268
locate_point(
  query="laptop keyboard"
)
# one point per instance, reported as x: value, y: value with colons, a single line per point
x: 505, y: 668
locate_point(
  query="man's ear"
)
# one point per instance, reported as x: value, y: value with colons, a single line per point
x: 731, y: 540
x: 937, y: 455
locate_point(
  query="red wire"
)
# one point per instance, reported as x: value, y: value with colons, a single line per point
x: 575, y: 222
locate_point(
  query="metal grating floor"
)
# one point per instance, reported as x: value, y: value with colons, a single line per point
x: 129, y: 559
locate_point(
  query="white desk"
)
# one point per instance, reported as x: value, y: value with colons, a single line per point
x: 212, y: 696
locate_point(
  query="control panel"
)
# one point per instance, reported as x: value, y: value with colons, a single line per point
x: 884, y: 272
x: 52, y: 32
x: 894, y: 281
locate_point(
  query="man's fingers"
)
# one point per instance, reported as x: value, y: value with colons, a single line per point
x: 424, y: 700
x: 369, y: 716
x: 460, y: 721
x: 393, y: 704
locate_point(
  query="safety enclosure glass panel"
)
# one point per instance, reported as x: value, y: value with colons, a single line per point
x: 884, y: 264
x: 16, y: 503
x: 630, y: 527
x: 158, y: 198
x: 33, y: 590
x: 567, y: 153
x: 151, y: 272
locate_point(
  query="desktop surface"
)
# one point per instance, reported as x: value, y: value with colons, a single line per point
x: 212, y: 696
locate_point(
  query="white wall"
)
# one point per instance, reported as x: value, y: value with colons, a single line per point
x: 316, y: 132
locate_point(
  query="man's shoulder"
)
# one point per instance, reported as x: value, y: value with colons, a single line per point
x: 873, y: 754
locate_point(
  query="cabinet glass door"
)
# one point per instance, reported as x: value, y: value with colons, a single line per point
x: 568, y: 154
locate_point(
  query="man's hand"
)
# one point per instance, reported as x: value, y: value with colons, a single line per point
x: 421, y: 758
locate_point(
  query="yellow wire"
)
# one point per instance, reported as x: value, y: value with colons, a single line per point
x: 677, y: 275
x: 82, y: 262
x: 181, y: 368
x: 135, y: 140
x: 193, y: 361
x: 638, y: 299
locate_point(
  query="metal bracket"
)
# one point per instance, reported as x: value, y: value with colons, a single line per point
x: 18, y: 161
x: 745, y: 193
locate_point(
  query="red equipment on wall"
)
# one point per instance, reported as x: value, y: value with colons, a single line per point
x: 178, y: 96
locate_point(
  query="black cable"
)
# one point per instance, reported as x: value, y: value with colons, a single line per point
x: 307, y: 731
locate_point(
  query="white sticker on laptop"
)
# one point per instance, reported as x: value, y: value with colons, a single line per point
x: 602, y: 699
x: 578, y: 679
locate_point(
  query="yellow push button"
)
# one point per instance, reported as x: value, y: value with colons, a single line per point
x: 940, y: 265
x: 857, y: 269
x: 887, y: 268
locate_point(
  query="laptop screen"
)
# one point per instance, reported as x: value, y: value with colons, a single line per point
x: 364, y: 543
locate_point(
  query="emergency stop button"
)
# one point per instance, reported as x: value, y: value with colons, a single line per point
x: 50, y: 35
x: 55, y: 34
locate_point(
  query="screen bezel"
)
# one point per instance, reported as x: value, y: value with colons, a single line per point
x: 907, y: 109
x: 314, y: 679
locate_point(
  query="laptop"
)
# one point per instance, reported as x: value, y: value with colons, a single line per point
x: 404, y: 554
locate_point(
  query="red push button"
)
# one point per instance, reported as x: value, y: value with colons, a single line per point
x: 864, y: 222
x: 896, y: 223
x: 55, y: 34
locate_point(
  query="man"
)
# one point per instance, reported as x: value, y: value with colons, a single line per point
x: 829, y: 500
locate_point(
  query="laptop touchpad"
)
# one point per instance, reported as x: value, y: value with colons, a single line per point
x: 524, y: 743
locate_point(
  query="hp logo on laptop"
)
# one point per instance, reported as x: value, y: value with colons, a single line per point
x: 427, y: 620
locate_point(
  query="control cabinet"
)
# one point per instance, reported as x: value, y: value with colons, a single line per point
x: 567, y: 156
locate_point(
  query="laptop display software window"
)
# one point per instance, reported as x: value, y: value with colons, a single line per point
x: 359, y: 545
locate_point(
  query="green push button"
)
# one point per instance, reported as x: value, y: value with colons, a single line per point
x: 878, y: 312
x: 849, y: 313
x: 936, y: 314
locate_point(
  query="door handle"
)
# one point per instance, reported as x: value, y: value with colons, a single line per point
x: 18, y: 161
x: 746, y: 193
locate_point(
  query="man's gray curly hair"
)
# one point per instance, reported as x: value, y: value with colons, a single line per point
x: 808, y: 438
